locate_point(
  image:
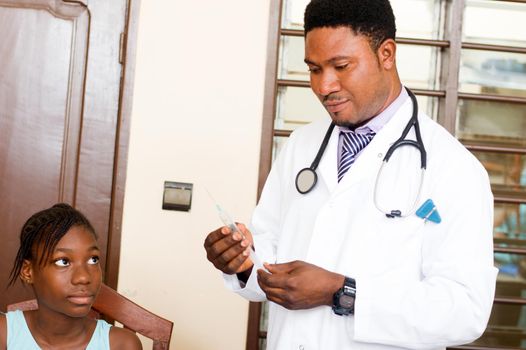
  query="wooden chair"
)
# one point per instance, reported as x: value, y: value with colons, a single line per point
x: 117, y: 307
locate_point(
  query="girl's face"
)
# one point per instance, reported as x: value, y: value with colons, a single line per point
x: 69, y: 281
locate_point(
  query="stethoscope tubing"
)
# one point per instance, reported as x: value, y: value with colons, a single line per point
x: 413, y: 122
x: 396, y: 212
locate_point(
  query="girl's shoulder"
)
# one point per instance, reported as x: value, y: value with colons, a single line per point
x: 124, y: 339
x: 3, y: 331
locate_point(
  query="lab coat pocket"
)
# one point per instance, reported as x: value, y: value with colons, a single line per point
x: 399, y: 242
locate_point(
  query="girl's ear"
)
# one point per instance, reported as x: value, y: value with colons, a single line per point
x: 26, y: 272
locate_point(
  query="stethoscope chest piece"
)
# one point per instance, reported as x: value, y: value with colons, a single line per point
x: 307, y: 177
x: 306, y: 180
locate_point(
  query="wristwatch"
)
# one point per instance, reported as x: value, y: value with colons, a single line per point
x: 343, y: 299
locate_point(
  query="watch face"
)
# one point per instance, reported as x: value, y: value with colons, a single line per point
x: 346, y: 301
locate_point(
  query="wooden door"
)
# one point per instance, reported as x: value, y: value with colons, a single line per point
x: 60, y: 83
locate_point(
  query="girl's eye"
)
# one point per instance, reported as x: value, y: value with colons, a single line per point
x: 62, y: 262
x: 93, y: 260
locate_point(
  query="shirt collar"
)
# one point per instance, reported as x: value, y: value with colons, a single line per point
x: 378, y: 122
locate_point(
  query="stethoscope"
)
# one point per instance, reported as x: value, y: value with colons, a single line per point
x: 307, y: 178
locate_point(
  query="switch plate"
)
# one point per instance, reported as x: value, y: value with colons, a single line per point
x: 177, y: 196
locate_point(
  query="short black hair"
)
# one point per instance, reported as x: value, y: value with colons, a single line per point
x: 46, y: 228
x: 372, y: 18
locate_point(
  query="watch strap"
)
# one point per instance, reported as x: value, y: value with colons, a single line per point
x: 348, y: 289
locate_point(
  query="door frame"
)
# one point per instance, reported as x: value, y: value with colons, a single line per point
x: 129, y: 50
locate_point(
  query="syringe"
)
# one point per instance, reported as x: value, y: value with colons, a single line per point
x: 227, y: 221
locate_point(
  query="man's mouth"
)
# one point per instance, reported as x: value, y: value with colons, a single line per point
x: 335, y: 106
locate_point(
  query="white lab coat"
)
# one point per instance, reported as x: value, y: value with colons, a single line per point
x: 419, y: 285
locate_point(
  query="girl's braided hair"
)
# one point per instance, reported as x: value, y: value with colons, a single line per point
x: 43, y: 230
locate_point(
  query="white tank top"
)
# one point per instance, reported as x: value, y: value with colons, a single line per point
x: 19, y: 336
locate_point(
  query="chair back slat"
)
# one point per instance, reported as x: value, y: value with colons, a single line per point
x: 135, y: 317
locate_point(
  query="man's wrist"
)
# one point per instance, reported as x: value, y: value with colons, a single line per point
x: 335, y: 286
x: 243, y: 276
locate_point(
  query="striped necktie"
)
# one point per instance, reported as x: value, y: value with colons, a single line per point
x: 352, y: 144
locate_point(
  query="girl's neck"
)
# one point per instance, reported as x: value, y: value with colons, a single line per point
x: 50, y: 328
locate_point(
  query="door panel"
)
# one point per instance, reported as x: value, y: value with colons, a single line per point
x: 59, y: 92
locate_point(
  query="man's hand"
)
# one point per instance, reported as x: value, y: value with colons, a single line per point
x: 299, y: 285
x: 229, y: 252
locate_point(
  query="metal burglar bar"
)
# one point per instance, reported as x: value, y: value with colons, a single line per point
x: 460, y: 98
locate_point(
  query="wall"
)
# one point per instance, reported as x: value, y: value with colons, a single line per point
x: 196, y: 118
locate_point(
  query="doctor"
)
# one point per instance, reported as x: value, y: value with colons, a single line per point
x: 343, y: 274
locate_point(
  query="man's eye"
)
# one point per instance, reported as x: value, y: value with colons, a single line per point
x: 342, y: 66
x: 314, y: 69
x: 62, y: 262
x: 93, y: 260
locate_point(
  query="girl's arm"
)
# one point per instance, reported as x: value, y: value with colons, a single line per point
x: 3, y: 332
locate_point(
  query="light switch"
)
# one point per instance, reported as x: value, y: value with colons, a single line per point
x: 177, y: 196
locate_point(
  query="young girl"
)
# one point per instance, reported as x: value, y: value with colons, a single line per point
x: 59, y: 259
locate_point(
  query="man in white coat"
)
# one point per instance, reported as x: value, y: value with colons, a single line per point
x: 342, y: 273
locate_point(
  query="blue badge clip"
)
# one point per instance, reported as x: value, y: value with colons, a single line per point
x: 428, y: 211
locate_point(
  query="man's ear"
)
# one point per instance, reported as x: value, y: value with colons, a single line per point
x: 387, y: 54
x: 26, y: 272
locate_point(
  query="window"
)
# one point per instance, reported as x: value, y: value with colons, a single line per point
x: 470, y: 76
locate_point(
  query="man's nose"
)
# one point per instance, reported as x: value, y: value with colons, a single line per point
x: 329, y: 83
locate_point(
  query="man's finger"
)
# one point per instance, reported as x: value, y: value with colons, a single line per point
x: 280, y: 268
x: 272, y: 279
x: 220, y: 246
x: 232, y: 252
x: 276, y: 295
x: 235, y: 264
x: 216, y: 235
